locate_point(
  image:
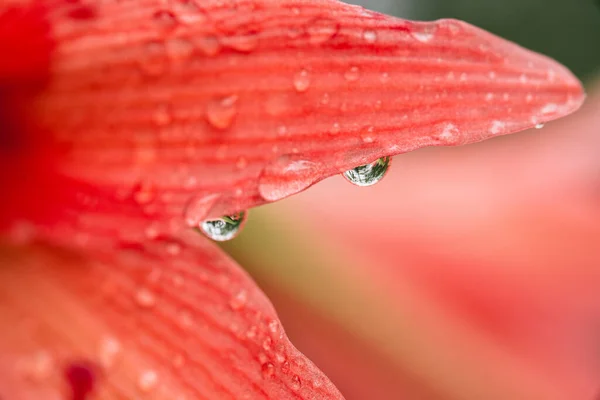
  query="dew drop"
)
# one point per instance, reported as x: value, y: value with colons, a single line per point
x: 423, y: 37
x: 497, y: 127
x: 287, y: 175
x: 145, y: 298
x: 224, y: 228
x: 198, y: 208
x: 268, y: 370
x: 267, y: 344
x: 370, y: 36
x: 147, y: 380
x: 539, y: 125
x: 245, y: 42
x: 273, y: 326
x: 369, y: 174
x: 238, y: 301
x: 296, y: 382
x: 108, y: 351
x: 352, y: 74
x: 335, y: 128
x: 221, y: 112
x: 302, y: 81
x: 321, y: 30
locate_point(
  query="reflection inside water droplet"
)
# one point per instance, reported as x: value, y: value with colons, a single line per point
x: 368, y: 174
x: 223, y: 228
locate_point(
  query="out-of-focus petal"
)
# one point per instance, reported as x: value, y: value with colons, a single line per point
x: 242, y: 103
x: 170, y: 319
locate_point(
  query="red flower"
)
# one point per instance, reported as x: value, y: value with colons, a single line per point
x: 126, y: 124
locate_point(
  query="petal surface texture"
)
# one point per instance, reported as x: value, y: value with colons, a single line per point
x: 170, y: 319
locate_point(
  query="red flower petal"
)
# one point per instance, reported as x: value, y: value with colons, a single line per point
x: 171, y: 319
x: 254, y: 101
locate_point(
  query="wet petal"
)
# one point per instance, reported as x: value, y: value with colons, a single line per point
x: 251, y: 102
x: 171, y: 319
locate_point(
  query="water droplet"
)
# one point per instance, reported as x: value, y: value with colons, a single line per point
x: 335, y: 128
x: 497, y: 127
x: 274, y: 326
x: 370, y: 36
x: 302, y: 81
x: 238, y: 301
x: 268, y: 370
x: 539, y: 125
x: 165, y: 19
x: 296, y: 382
x: 385, y: 77
x: 267, y: 344
x: 162, y: 115
x: 224, y: 228
x: 241, y: 163
x: 145, y: 298
x: 147, y: 380
x: 523, y: 78
x: 549, y: 108
x: 321, y: 30
x: 221, y: 112
x: 108, y: 351
x: 352, y: 74
x: 173, y: 248
x: 423, y: 37
x: 198, y: 208
x: 188, y: 12
x: 281, y: 359
x: 287, y: 175
x: 369, y: 174
x: 243, y: 42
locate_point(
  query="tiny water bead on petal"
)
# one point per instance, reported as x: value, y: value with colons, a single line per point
x: 223, y: 228
x: 368, y: 174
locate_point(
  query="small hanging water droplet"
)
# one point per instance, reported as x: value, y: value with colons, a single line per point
x: 368, y: 174
x: 302, y: 81
x: 224, y: 228
x: 352, y: 74
x: 147, y: 380
x: 335, y: 128
x: 370, y: 36
x: 539, y: 125
x: 221, y: 112
x: 145, y: 298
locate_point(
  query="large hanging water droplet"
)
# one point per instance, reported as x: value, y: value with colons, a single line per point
x: 223, y: 228
x: 368, y: 174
